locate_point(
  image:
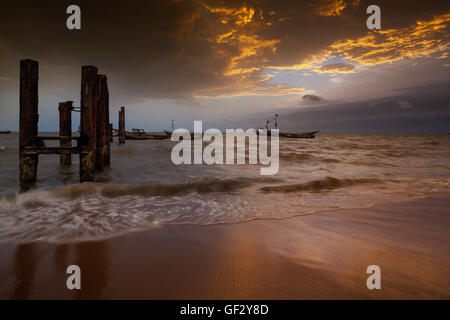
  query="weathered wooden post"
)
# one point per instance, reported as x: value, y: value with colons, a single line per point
x: 102, y: 133
x: 111, y: 132
x: 108, y: 130
x: 65, y: 131
x: 88, y: 121
x: 29, y: 117
x: 122, y: 125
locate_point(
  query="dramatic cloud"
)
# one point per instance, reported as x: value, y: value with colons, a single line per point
x: 422, y: 39
x: 186, y: 49
x: 312, y: 99
x: 194, y: 51
x: 329, y: 8
x: 336, y: 68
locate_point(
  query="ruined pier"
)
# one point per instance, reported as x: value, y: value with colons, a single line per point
x: 93, y: 144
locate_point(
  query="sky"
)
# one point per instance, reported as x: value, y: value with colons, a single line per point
x: 234, y: 62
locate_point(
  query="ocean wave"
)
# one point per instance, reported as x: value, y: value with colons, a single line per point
x: 306, y: 158
x: 296, y: 156
x: 325, y: 184
x: 51, y: 215
x: 48, y: 197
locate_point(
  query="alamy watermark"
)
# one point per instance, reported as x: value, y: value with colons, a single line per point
x: 73, y: 22
x: 374, y: 20
x: 374, y: 281
x: 231, y: 149
x: 74, y: 280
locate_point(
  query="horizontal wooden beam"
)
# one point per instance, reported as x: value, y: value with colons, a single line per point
x: 57, y: 138
x: 51, y: 150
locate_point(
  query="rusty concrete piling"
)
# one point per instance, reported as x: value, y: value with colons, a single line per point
x: 102, y: 122
x: 111, y: 133
x: 122, y: 125
x: 29, y: 117
x: 88, y: 119
x: 107, y: 147
x: 65, y: 131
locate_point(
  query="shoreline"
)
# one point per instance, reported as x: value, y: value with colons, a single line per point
x: 318, y: 256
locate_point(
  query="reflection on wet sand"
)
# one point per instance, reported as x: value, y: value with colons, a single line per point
x: 24, y: 271
x: 322, y: 256
x: 61, y: 257
x: 92, y: 258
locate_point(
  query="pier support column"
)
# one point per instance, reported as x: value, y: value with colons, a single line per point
x: 108, y: 128
x: 111, y: 133
x: 88, y: 119
x: 29, y: 117
x: 65, y: 131
x: 122, y: 125
x: 102, y: 122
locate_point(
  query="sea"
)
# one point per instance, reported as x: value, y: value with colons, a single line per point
x: 143, y: 189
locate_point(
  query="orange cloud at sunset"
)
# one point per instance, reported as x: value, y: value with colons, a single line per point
x: 424, y: 38
x: 183, y: 49
x: 240, y: 16
x: 331, y: 8
x: 386, y: 46
x: 336, y: 68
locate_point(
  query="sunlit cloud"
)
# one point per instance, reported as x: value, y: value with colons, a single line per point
x: 249, y: 46
x: 312, y: 62
x: 239, y: 17
x: 336, y: 68
x: 329, y: 8
x: 423, y: 39
x: 264, y: 89
x: 245, y: 50
x: 386, y: 46
x: 184, y: 49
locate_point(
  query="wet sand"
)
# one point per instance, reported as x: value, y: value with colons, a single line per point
x: 321, y: 256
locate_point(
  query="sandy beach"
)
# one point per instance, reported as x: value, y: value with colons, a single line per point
x: 320, y: 256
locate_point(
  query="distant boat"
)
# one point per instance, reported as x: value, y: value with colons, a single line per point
x: 140, y: 134
x: 5, y: 132
x: 302, y: 135
x: 169, y: 134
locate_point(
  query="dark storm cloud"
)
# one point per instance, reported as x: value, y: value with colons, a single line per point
x: 184, y: 49
x: 423, y: 109
x: 153, y: 48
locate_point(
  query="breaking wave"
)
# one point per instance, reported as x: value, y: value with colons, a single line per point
x: 306, y: 158
x: 328, y: 183
x: 42, y: 198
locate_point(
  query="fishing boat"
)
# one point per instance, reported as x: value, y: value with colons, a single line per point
x: 302, y: 135
x: 169, y: 134
x: 140, y: 134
